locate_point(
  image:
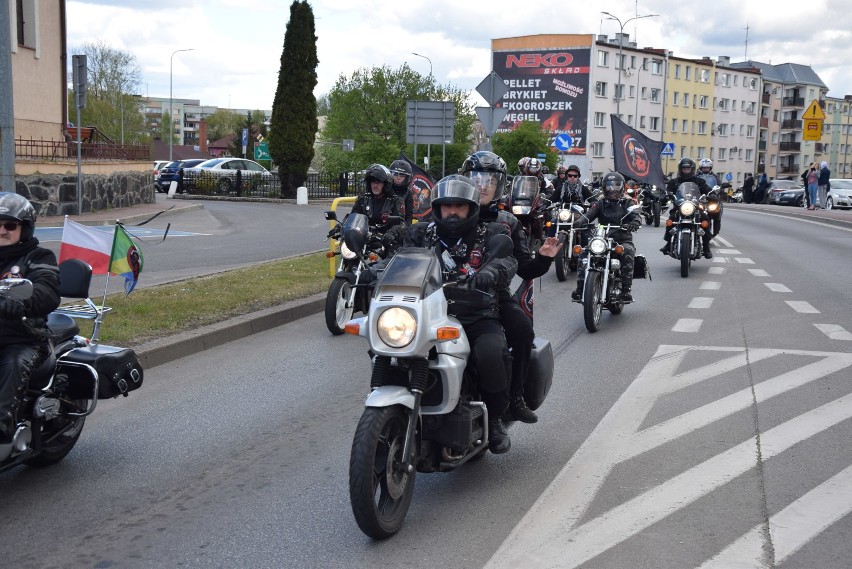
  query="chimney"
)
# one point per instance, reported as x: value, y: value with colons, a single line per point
x: 724, y: 61
x: 622, y: 39
x: 602, y: 38
x: 202, y: 136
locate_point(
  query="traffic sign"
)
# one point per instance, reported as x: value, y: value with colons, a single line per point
x: 812, y: 129
x: 492, y: 88
x: 563, y: 142
x: 814, y: 111
x: 729, y: 176
x: 668, y: 149
x: 261, y: 151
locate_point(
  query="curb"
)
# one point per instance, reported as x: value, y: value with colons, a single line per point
x: 59, y: 221
x: 170, y: 348
x: 799, y: 213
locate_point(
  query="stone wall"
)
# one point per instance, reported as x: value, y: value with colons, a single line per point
x: 56, y: 194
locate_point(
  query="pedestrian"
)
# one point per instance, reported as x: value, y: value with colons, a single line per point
x: 812, y: 185
x: 824, y: 175
x: 748, y: 189
x: 762, y: 187
x: 804, y: 177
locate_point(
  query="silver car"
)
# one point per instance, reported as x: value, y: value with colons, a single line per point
x: 840, y: 194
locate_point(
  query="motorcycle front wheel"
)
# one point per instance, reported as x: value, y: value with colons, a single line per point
x: 592, y: 301
x: 685, y: 258
x: 337, y: 314
x: 379, y: 491
x: 563, y: 260
x: 58, y: 437
x: 656, y: 214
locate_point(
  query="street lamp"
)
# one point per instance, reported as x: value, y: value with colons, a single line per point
x: 642, y: 68
x: 620, y: 49
x: 171, y: 101
x: 427, y: 59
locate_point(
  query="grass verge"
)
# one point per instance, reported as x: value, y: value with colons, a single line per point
x: 163, y: 310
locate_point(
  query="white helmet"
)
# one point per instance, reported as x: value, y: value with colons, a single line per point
x: 705, y: 163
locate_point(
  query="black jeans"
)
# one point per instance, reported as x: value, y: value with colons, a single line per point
x: 488, y: 346
x: 519, y: 336
x: 627, y: 258
x: 16, y: 364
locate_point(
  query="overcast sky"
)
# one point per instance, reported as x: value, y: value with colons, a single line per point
x: 237, y: 44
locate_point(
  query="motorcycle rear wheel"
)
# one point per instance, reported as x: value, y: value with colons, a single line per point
x: 379, y: 492
x: 685, y: 259
x: 336, y: 312
x: 592, y: 301
x: 58, y: 438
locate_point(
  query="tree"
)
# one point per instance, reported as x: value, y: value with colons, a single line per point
x: 165, y: 130
x: 528, y: 139
x: 223, y: 123
x: 111, y: 105
x: 294, y: 109
x: 369, y: 107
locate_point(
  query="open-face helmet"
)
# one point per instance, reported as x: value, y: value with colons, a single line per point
x: 380, y: 173
x: 16, y: 207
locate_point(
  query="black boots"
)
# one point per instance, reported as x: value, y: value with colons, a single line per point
x: 626, y: 296
x: 578, y: 293
x: 520, y: 411
x: 708, y: 254
x: 498, y: 438
x: 667, y: 248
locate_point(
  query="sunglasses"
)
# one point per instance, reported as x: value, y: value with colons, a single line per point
x: 571, y: 176
x: 10, y: 225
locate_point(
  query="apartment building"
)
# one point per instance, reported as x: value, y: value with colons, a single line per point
x: 834, y: 145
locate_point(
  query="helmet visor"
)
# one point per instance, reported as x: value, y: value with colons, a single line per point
x: 454, y: 191
x: 487, y: 183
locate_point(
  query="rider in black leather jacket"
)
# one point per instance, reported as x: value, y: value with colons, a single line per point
x: 686, y: 173
x: 378, y: 202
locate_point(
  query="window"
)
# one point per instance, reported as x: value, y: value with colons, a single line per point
x: 750, y: 131
x: 655, y: 95
x: 725, y: 79
x: 597, y: 149
x: 702, y: 152
x: 749, y: 155
x: 25, y: 20
x: 657, y: 67
x: 603, y: 58
x: 630, y: 121
x: 600, y: 119
x: 752, y: 84
x: 702, y: 101
x: 674, y: 125
x: 688, y: 74
x: 686, y: 99
x: 600, y: 89
x: 619, y: 91
x: 644, y: 92
x: 705, y: 75
x: 675, y: 98
x: 620, y: 60
x: 684, y: 126
x: 677, y: 71
x: 655, y: 123
x: 723, y: 130
x: 702, y: 127
x: 721, y: 154
x: 642, y: 121
x: 632, y: 92
x: 736, y: 80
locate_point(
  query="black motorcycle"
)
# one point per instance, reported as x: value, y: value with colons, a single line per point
x: 654, y: 199
x: 712, y: 206
x: 526, y: 203
x: 66, y: 387
x: 688, y: 226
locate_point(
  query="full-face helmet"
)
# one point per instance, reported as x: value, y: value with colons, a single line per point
x: 487, y: 172
x: 613, y: 186
x: 686, y: 167
x: 705, y: 166
x: 454, y: 190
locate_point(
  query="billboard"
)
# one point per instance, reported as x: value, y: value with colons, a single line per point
x: 550, y: 87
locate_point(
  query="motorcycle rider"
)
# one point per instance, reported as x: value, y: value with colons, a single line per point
x: 401, y: 174
x: 533, y: 167
x: 379, y: 201
x: 460, y: 238
x: 487, y: 172
x: 631, y: 189
x: 572, y: 190
x: 612, y: 209
x: 686, y: 173
x: 705, y: 172
x: 23, y: 331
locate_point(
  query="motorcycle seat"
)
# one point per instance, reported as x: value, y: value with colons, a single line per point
x: 62, y: 326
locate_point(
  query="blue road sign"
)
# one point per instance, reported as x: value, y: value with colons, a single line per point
x: 668, y: 149
x: 563, y: 142
x: 729, y: 176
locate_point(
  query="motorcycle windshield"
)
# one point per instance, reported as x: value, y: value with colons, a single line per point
x: 411, y: 267
x: 524, y: 189
x: 356, y: 229
x: 688, y: 191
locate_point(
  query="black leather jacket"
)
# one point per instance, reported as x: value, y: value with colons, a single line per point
x: 375, y: 207
x: 673, y: 184
x: 28, y: 260
x: 565, y: 194
x: 531, y: 264
x: 615, y: 213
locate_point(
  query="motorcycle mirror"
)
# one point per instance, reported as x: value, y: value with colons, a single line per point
x: 577, y: 208
x: 330, y: 216
x: 500, y: 246
x: 19, y: 289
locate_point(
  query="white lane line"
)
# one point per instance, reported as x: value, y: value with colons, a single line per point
x: 802, y: 307
x: 777, y: 287
x: 701, y: 302
x: 710, y: 285
x: 728, y: 251
x: 834, y: 331
x: 759, y: 273
x: 744, y: 261
x: 718, y: 259
x: 716, y: 270
x: 688, y: 325
x: 792, y: 527
x: 723, y: 241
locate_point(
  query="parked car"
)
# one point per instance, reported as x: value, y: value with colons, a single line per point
x: 169, y: 172
x: 157, y: 165
x: 224, y: 170
x: 778, y: 187
x: 839, y: 194
x: 795, y: 196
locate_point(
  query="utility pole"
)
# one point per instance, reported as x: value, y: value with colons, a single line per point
x: 7, y: 109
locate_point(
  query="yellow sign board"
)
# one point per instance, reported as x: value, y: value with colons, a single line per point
x: 811, y: 129
x: 814, y: 111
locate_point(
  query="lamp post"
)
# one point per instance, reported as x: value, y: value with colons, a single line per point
x: 428, y: 146
x: 171, y: 101
x: 427, y: 59
x: 642, y: 68
x: 620, y: 50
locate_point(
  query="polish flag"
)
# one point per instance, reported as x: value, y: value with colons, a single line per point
x: 87, y: 244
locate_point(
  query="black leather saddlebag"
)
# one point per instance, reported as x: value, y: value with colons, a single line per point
x: 540, y: 373
x: 119, y: 371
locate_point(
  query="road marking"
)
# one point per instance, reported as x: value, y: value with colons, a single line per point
x: 701, y: 302
x: 688, y: 325
x: 777, y: 287
x: 792, y: 527
x: 710, y: 285
x: 723, y: 241
x: 799, y: 219
x: 728, y: 251
x: 716, y: 270
x: 744, y: 261
x: 551, y: 533
x: 759, y: 273
x: 834, y: 331
x: 802, y: 307
x: 718, y: 259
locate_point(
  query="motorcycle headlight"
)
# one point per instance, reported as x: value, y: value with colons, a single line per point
x: 346, y: 252
x: 521, y: 209
x: 713, y: 207
x: 564, y: 215
x: 396, y: 327
x: 687, y: 209
x: 597, y: 246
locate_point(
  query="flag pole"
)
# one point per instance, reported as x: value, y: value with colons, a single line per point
x: 96, y: 330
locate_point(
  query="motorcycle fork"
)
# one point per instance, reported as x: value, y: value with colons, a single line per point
x: 605, y: 274
x: 418, y: 377
x: 354, y: 289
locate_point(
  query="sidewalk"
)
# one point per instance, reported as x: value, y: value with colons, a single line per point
x: 127, y: 215
x: 840, y: 217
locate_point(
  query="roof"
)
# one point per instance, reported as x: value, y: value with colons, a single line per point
x: 786, y: 73
x: 160, y: 151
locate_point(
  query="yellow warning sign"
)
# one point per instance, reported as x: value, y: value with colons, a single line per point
x: 814, y: 111
x: 812, y: 129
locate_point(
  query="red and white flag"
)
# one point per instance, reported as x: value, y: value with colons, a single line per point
x: 87, y: 244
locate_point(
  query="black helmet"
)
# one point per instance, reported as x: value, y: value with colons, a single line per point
x: 573, y: 168
x: 487, y: 172
x: 401, y: 167
x: 454, y: 189
x: 686, y: 163
x: 380, y: 173
x: 18, y: 208
x: 613, y: 185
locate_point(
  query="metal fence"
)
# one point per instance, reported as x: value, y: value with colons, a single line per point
x: 264, y: 185
x: 57, y: 150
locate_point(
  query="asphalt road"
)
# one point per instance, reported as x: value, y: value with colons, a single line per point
x: 706, y: 426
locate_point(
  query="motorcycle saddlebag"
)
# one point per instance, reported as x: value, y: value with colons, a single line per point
x: 119, y: 371
x: 540, y: 373
x: 640, y: 267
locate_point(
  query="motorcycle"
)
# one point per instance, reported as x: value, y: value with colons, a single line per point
x: 360, y: 246
x: 526, y: 203
x: 602, y: 282
x: 653, y: 201
x: 424, y: 413
x: 688, y: 226
x: 712, y: 206
x: 569, y: 229
x: 66, y: 387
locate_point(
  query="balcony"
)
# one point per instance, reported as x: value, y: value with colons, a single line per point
x: 790, y: 146
x: 764, y: 99
x: 761, y: 168
x: 793, y: 102
x: 820, y: 147
x: 788, y: 168
x: 761, y: 145
x: 764, y: 122
x: 791, y: 124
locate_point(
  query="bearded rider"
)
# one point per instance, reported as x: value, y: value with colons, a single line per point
x: 487, y: 172
x: 686, y: 173
x: 612, y: 210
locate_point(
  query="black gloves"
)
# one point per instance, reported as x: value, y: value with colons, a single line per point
x: 485, y: 280
x: 11, y: 308
x: 634, y: 225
